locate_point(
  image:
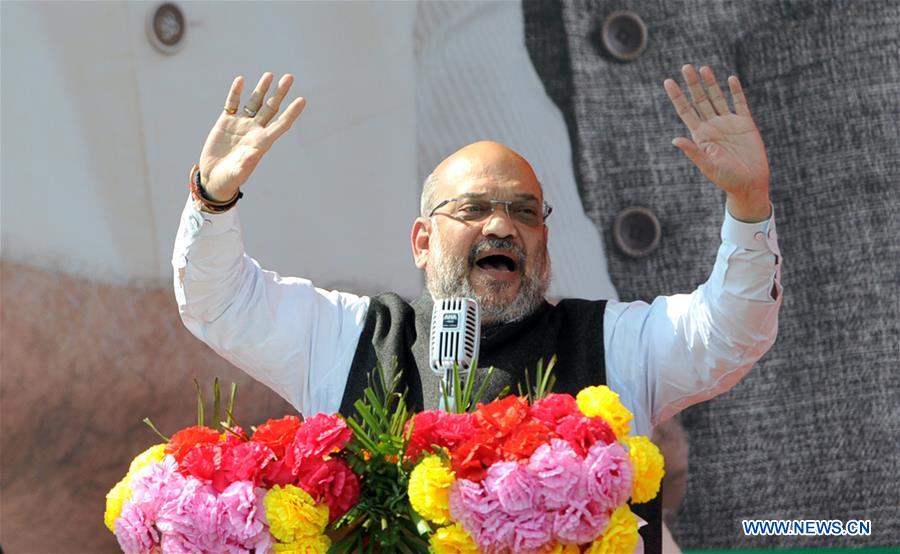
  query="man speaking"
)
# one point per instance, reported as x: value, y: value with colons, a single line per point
x: 482, y: 234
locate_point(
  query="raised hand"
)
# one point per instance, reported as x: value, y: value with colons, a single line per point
x: 724, y: 145
x: 241, y: 137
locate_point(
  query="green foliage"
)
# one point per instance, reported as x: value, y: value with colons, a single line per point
x: 201, y: 413
x: 382, y: 520
x: 468, y: 398
x: 544, y: 381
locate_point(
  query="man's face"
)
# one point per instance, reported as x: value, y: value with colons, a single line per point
x: 498, y: 259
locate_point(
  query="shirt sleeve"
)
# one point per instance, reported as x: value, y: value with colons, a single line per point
x: 295, y: 338
x: 683, y: 349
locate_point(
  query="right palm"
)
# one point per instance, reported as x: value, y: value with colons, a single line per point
x: 238, y: 142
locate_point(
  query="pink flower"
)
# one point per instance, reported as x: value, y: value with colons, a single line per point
x: 242, y: 520
x: 513, y: 487
x: 321, y: 435
x: 470, y: 505
x: 609, y: 475
x: 134, y: 531
x: 524, y: 531
x: 189, y: 521
x: 517, y: 522
x: 155, y: 485
x: 560, y: 473
x: 582, y: 521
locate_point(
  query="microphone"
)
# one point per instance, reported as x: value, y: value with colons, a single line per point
x: 455, y: 339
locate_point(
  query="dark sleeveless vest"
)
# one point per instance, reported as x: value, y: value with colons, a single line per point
x: 572, y: 330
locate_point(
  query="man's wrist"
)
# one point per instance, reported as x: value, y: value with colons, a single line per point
x: 203, y: 199
x: 752, y: 208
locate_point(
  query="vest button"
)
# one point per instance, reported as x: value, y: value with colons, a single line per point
x: 624, y: 35
x: 636, y: 231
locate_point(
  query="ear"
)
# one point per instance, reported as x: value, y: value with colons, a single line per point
x: 421, y: 241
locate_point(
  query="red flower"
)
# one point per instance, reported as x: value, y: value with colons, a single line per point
x: 454, y: 429
x: 525, y: 439
x: 234, y: 435
x: 224, y: 463
x: 583, y: 432
x: 501, y: 416
x: 246, y: 461
x: 278, y: 434
x: 186, y: 439
x: 424, y: 433
x: 203, y: 461
x: 471, y: 459
x: 321, y: 435
x: 332, y: 482
x: 553, y: 408
x: 439, y: 428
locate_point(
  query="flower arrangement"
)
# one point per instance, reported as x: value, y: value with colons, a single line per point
x: 206, y: 490
x: 532, y: 473
x: 537, y: 472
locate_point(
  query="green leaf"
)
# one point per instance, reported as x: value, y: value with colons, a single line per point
x: 457, y: 389
x: 200, y: 419
x: 217, y: 405
x: 482, y: 388
x: 231, y: 399
x: 155, y: 430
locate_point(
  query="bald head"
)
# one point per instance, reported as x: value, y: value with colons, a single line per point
x: 483, y: 161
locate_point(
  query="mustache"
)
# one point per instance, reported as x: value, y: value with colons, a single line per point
x: 500, y: 243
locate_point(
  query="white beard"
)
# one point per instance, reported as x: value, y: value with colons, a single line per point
x: 446, y: 277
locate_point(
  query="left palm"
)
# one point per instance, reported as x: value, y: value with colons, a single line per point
x: 726, y: 145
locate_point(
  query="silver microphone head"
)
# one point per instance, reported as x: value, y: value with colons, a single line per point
x: 455, y: 334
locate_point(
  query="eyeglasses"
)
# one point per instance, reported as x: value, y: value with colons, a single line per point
x: 528, y: 212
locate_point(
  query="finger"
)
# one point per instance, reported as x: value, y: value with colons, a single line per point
x: 713, y: 91
x: 737, y: 96
x: 682, y: 106
x: 273, y: 103
x: 693, y: 152
x: 233, y: 100
x: 259, y: 93
x: 284, y: 121
x: 698, y: 95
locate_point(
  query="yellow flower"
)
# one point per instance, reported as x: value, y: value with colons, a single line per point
x: 429, y: 489
x: 293, y: 514
x: 648, y: 468
x: 621, y: 535
x: 115, y: 498
x: 153, y: 454
x: 452, y: 539
x: 602, y: 402
x: 304, y: 545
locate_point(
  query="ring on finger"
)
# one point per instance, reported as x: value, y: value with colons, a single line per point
x: 250, y: 112
x: 229, y: 110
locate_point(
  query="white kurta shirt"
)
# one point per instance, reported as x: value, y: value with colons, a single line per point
x: 300, y: 340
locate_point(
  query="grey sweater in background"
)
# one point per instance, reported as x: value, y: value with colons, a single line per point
x: 813, y: 432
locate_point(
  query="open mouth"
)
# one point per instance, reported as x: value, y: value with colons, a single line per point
x: 496, y: 262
